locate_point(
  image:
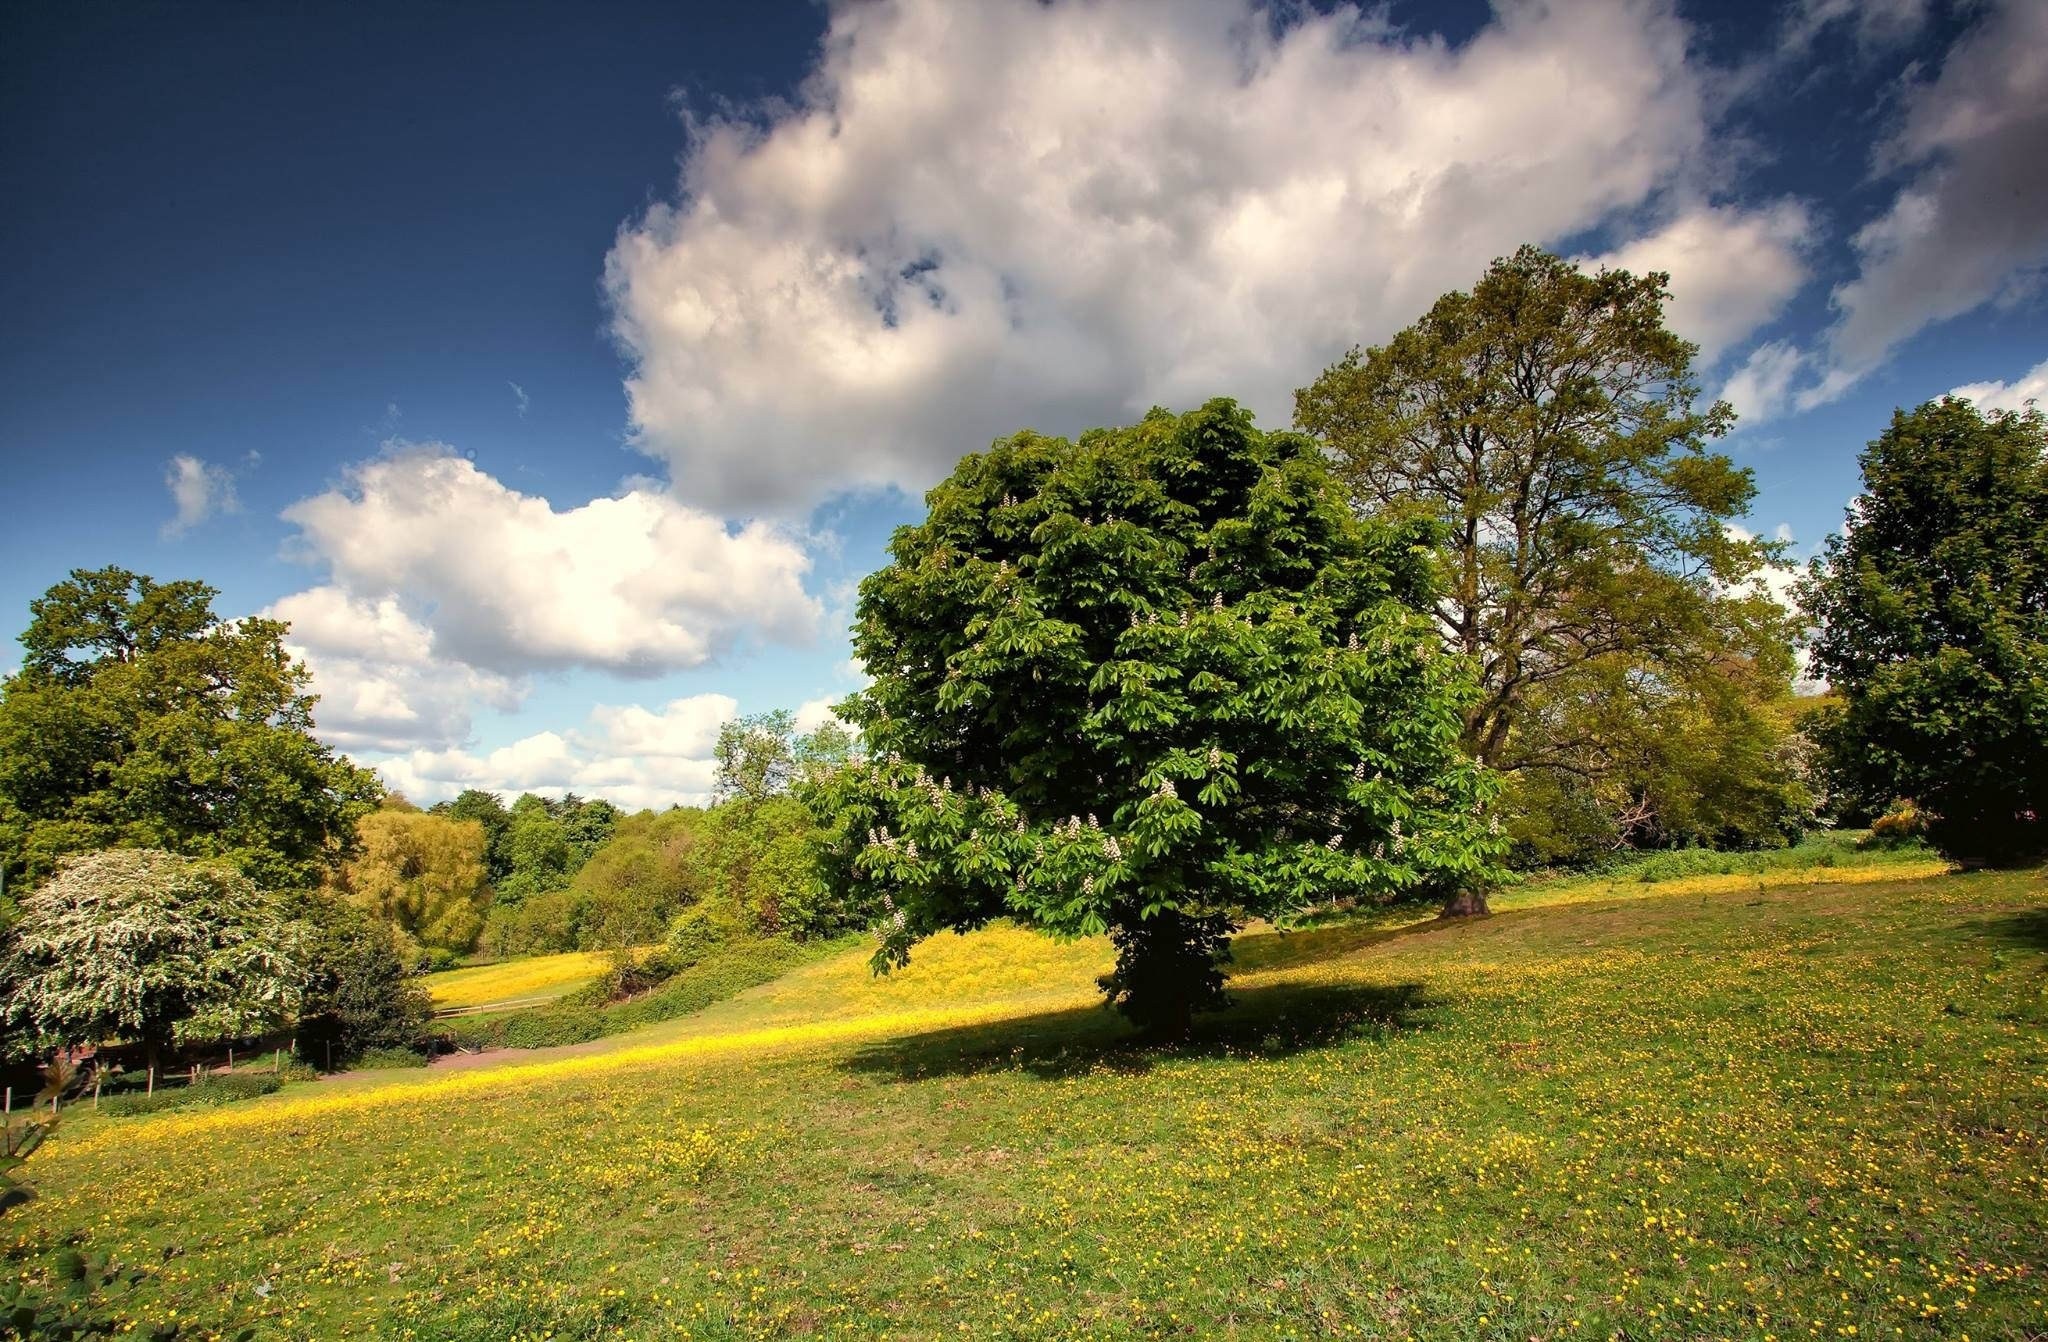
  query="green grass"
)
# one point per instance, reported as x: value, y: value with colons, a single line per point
x: 1787, y: 1111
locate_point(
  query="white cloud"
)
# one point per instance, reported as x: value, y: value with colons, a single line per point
x: 1732, y: 270
x: 381, y: 686
x: 1761, y: 388
x: 2031, y: 385
x: 519, y: 397
x: 815, y: 713
x: 628, y: 755
x: 636, y: 584
x: 975, y: 218
x: 1970, y: 225
x: 199, y: 490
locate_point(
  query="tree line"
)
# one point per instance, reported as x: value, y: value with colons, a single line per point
x: 1486, y: 607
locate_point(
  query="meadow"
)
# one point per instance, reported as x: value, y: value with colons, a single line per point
x: 1804, y: 1102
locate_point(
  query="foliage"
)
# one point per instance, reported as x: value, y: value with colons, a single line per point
x: 359, y: 995
x: 1932, y: 609
x: 1549, y: 420
x: 763, y: 755
x: 754, y: 757
x: 744, y: 866
x: 488, y: 811
x: 141, y: 719
x: 1080, y: 632
x: 422, y: 873
x: 145, y: 945
x: 1711, y: 756
x: 206, y: 1093
x: 389, y: 1056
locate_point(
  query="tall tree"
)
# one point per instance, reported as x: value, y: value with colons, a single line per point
x: 756, y: 759
x: 139, y: 718
x: 148, y: 946
x: 1551, y: 421
x: 1932, y: 607
x: 1152, y: 683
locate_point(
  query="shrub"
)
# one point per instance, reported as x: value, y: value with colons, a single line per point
x: 552, y: 1027
x: 358, y: 994
x: 390, y: 1057
x: 1903, y: 823
x: 213, y: 1090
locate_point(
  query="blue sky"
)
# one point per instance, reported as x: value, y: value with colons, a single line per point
x: 557, y: 370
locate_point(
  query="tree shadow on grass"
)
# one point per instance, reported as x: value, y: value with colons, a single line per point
x: 2028, y: 928
x: 1264, y: 1022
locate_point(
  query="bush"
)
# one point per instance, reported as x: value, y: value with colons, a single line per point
x: 389, y: 1057
x: 1902, y: 824
x: 213, y: 1090
x: 358, y: 994
x: 552, y: 1027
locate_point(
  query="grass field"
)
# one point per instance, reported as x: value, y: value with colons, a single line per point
x: 542, y: 976
x: 1772, y: 1111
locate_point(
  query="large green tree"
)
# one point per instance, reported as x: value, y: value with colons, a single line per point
x: 1932, y: 615
x: 1151, y: 683
x: 1552, y: 423
x: 140, y: 719
x: 144, y: 945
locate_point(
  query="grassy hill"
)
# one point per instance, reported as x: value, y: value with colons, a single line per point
x: 1762, y: 1110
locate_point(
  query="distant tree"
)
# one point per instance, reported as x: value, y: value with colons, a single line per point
x: 586, y: 823
x: 755, y: 757
x: 1550, y: 421
x: 487, y: 810
x: 148, y: 946
x: 822, y: 749
x: 141, y: 719
x: 1932, y: 608
x: 1152, y: 683
x: 423, y: 874
x: 357, y: 991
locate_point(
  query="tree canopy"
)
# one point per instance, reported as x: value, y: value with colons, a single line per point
x: 1551, y: 422
x: 1932, y: 615
x: 1151, y: 683
x: 422, y: 873
x: 141, y: 719
x: 145, y: 945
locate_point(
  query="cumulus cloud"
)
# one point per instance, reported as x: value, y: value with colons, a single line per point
x: 631, y: 756
x: 1970, y: 224
x: 2031, y: 385
x: 636, y: 584
x: 199, y: 490
x: 447, y: 592
x: 1732, y: 270
x: 381, y: 685
x: 975, y: 218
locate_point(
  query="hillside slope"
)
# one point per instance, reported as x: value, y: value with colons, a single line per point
x: 1788, y: 1112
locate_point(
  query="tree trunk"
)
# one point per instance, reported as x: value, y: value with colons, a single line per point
x: 1465, y: 904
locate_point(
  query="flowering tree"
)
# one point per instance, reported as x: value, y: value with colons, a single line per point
x: 1152, y: 683
x: 145, y: 945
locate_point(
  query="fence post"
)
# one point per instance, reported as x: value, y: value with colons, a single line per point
x: 10, y: 1121
x: 97, y: 1072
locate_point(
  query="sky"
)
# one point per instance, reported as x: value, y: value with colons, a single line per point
x: 557, y: 371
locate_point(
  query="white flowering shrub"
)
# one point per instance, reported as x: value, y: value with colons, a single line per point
x: 142, y: 945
